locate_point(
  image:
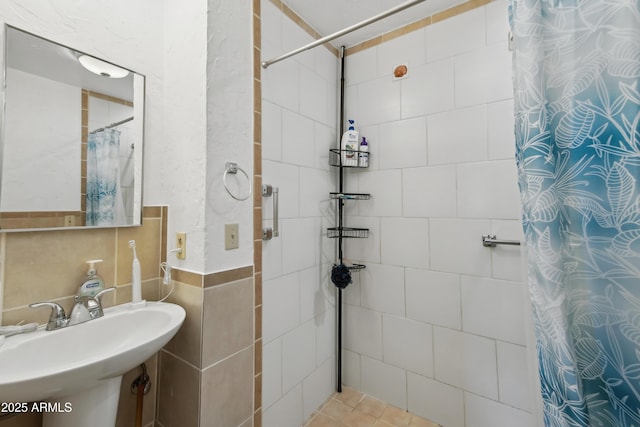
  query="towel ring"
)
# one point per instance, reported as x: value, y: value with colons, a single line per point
x: 233, y: 168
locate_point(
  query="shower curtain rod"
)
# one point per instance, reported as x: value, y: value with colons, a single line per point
x: 340, y: 33
x: 112, y: 125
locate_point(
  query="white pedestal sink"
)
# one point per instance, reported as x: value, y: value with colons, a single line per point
x: 77, y: 370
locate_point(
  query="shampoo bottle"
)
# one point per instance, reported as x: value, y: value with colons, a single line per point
x: 93, y: 283
x: 349, y: 145
x: 363, y: 155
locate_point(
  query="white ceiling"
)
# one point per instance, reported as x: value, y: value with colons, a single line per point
x: 329, y: 16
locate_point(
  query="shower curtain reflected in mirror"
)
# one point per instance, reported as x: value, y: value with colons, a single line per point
x: 577, y: 107
x: 104, y: 197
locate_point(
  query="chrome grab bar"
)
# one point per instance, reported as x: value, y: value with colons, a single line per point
x: 490, y: 241
x: 267, y: 232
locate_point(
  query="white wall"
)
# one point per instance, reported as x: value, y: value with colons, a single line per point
x: 229, y: 112
x: 435, y: 324
x: 42, y: 128
x: 298, y: 128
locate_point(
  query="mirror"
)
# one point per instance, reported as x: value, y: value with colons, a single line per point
x: 72, y: 139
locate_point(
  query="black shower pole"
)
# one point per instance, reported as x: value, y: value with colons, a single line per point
x: 340, y: 208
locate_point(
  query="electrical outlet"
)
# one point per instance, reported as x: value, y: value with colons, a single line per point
x: 69, y: 221
x: 231, y: 236
x: 181, y: 242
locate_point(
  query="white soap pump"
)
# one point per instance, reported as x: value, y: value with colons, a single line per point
x: 93, y: 284
x: 136, y: 281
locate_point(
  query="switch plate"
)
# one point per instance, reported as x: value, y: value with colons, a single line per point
x: 231, y: 236
x: 181, y: 242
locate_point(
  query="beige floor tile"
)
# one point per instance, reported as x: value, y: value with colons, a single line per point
x: 421, y: 422
x: 321, y: 420
x: 336, y: 410
x: 371, y: 406
x: 396, y: 416
x: 352, y: 408
x: 349, y: 396
x: 359, y: 419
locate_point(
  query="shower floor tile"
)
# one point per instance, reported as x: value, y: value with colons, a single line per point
x: 352, y: 408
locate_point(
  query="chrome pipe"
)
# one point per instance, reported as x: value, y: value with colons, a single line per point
x: 342, y: 32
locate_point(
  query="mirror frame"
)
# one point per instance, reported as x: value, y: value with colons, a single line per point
x: 139, y: 93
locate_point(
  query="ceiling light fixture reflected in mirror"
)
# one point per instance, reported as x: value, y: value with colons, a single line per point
x: 102, y: 68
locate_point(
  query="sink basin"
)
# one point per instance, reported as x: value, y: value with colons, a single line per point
x: 56, y: 365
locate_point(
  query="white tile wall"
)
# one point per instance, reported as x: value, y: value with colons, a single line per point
x: 435, y: 401
x: 485, y: 305
x: 483, y: 76
x: 482, y: 412
x: 317, y: 388
x: 314, y: 97
x: 405, y: 242
x: 362, y: 331
x: 402, y: 144
x: 286, y: 412
x: 298, y: 244
x: 434, y: 297
x: 384, y: 382
x: 488, y: 190
x: 298, y: 355
x: 407, y: 50
x: 500, y: 132
x: 400, y: 334
x: 434, y: 323
x: 271, y: 372
x: 429, y: 192
x: 351, y: 369
x: 384, y: 187
x: 371, y: 107
x: 466, y: 361
x: 297, y: 136
x: 280, y: 306
x: 451, y: 37
x: 457, y: 246
x: 428, y: 89
x: 271, y: 131
x: 457, y: 136
x: 382, y: 288
x: 512, y: 376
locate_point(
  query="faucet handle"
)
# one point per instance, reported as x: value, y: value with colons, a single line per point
x: 94, y: 303
x: 57, y: 318
x: 99, y: 295
x: 91, y: 305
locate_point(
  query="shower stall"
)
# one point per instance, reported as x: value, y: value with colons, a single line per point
x: 436, y: 324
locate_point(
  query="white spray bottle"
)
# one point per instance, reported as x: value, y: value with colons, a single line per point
x: 136, y: 279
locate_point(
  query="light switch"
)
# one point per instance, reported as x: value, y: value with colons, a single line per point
x: 231, y: 236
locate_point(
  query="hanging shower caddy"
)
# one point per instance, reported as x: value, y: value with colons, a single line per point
x: 341, y: 232
x: 341, y: 273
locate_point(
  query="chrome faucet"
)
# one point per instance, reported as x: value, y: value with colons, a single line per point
x: 84, y: 309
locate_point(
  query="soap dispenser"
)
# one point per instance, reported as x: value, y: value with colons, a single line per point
x: 93, y: 283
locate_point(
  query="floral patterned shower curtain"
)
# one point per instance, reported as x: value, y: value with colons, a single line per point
x: 577, y: 109
x: 104, y: 197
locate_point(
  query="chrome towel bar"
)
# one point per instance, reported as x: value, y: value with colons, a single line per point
x: 268, y: 232
x: 490, y: 241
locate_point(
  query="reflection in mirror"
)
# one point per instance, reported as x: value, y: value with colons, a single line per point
x: 72, y: 138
